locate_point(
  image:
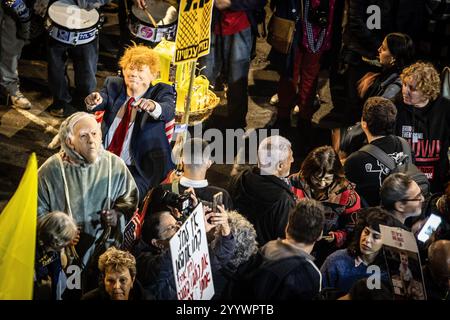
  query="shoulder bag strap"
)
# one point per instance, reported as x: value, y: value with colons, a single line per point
x: 380, y: 155
x: 406, y: 148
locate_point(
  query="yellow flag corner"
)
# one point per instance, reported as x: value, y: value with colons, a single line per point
x: 18, y: 238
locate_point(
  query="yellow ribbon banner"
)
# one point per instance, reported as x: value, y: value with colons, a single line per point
x: 194, y: 30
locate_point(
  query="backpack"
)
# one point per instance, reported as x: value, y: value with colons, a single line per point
x: 407, y: 167
x: 260, y: 279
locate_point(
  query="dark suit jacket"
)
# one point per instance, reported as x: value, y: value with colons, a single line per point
x: 149, y: 147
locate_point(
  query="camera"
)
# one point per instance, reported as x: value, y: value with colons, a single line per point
x: 182, y: 202
x: 318, y: 17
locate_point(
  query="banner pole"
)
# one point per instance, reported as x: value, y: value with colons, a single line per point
x: 181, y: 139
x: 187, y: 107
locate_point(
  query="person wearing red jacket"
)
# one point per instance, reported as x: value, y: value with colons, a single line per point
x: 321, y: 178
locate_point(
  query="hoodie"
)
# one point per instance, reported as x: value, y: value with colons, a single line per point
x: 265, y: 200
x: 304, y: 282
x: 427, y: 130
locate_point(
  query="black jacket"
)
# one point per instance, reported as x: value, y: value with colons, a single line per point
x: 155, y: 270
x: 265, y: 200
x: 137, y: 293
x: 427, y: 130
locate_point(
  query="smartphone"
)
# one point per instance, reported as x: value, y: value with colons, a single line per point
x: 429, y: 227
x: 217, y: 201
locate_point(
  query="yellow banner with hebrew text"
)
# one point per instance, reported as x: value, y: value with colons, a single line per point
x: 194, y: 30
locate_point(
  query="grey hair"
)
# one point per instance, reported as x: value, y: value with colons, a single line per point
x: 394, y: 188
x: 56, y: 229
x: 244, y: 234
x: 271, y: 151
x: 66, y: 129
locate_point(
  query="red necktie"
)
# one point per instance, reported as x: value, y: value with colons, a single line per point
x: 121, y: 131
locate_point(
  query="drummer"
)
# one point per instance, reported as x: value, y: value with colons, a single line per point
x: 84, y: 57
x: 136, y: 113
x: 152, y: 20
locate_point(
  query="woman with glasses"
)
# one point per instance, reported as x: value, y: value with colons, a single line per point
x: 154, y: 263
x: 322, y: 178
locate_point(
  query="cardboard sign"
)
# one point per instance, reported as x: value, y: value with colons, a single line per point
x: 194, y: 30
x: 403, y: 263
x: 190, y: 259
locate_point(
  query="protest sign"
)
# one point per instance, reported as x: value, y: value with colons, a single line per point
x: 190, y: 259
x: 403, y: 263
x: 194, y: 30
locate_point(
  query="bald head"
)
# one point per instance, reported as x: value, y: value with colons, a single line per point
x: 439, y: 258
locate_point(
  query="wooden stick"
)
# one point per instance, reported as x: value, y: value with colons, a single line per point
x: 150, y: 18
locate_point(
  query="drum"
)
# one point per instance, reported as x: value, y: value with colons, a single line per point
x: 69, y: 24
x: 163, y: 13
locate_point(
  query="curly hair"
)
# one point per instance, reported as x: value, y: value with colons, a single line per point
x: 117, y: 260
x: 426, y: 77
x: 245, y: 236
x: 140, y: 55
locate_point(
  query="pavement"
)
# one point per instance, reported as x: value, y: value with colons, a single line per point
x: 25, y: 131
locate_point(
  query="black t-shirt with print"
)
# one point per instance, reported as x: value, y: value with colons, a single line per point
x: 427, y: 131
x: 368, y: 173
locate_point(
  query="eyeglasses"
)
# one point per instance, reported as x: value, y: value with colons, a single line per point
x: 172, y: 227
x: 419, y: 197
x: 325, y: 178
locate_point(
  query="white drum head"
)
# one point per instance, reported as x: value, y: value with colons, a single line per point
x: 66, y: 14
x: 163, y: 13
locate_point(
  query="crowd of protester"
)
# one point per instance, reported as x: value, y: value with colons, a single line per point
x: 311, y: 234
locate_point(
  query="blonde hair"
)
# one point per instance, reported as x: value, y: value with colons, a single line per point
x: 426, y: 77
x: 117, y: 260
x: 139, y: 55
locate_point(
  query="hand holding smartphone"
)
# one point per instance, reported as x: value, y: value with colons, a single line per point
x: 429, y: 227
x: 217, y: 201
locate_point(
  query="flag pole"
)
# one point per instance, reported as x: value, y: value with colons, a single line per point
x: 187, y: 107
x: 181, y: 139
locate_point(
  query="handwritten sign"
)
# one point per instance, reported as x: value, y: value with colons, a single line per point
x: 194, y: 30
x: 190, y: 259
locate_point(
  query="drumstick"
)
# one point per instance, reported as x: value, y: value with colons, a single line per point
x: 150, y: 17
x: 172, y: 2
